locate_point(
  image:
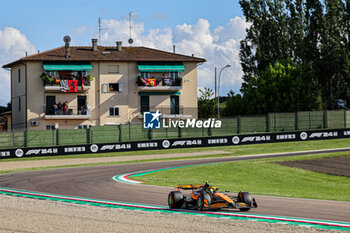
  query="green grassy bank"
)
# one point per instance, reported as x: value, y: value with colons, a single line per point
x: 260, y: 176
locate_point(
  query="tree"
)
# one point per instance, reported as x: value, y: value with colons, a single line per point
x: 282, y: 87
x: 234, y: 105
x: 311, y: 33
x: 267, y: 38
x: 5, y: 109
x: 207, y: 104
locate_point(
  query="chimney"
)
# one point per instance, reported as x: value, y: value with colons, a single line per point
x: 67, y: 50
x: 119, y: 46
x: 173, y: 48
x: 94, y: 44
x: 192, y: 54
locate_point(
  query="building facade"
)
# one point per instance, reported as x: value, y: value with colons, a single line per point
x: 80, y: 86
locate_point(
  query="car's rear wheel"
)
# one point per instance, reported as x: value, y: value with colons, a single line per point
x: 175, y: 200
x: 245, y: 198
x: 202, y: 200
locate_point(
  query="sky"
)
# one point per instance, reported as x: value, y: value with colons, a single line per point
x: 206, y: 28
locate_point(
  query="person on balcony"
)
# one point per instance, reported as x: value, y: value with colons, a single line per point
x: 65, y: 108
x: 166, y: 80
x: 55, y: 108
x: 59, y: 108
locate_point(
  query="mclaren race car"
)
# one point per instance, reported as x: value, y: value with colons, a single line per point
x: 205, y: 197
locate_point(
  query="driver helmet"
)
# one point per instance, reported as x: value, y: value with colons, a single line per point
x: 211, y: 190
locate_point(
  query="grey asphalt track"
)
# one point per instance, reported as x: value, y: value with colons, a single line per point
x: 97, y: 182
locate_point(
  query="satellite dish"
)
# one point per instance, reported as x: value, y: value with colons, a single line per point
x: 66, y: 39
x: 131, y: 41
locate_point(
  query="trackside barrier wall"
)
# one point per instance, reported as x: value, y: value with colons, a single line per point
x: 172, y: 143
x: 272, y: 122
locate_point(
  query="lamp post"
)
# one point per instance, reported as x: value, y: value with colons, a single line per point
x: 227, y: 66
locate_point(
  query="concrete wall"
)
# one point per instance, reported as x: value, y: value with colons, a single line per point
x: 188, y: 96
x: 18, y: 97
x: 109, y: 99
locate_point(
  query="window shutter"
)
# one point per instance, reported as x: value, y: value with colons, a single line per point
x: 105, y: 88
x: 121, y: 87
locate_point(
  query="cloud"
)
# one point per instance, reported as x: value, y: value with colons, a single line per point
x: 219, y: 46
x: 13, y: 45
x: 80, y: 31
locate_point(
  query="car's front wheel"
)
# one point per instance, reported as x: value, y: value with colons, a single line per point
x: 245, y: 198
x: 203, y: 201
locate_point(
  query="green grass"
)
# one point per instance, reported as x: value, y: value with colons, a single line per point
x: 260, y: 176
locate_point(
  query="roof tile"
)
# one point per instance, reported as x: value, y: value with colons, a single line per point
x: 108, y: 53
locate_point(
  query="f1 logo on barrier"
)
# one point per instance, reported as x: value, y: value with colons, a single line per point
x: 151, y: 120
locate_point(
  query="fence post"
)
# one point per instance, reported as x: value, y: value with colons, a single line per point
x: 53, y: 137
x: 274, y: 122
x: 296, y: 121
x: 13, y: 139
x: 238, y: 124
x: 87, y: 136
x: 209, y: 131
x: 344, y: 118
x: 25, y: 138
x: 309, y: 120
x: 120, y: 133
x: 129, y: 131
x: 267, y: 123
x: 166, y: 132
x: 179, y: 132
x: 325, y: 120
x: 57, y: 137
x: 91, y: 134
x: 149, y: 134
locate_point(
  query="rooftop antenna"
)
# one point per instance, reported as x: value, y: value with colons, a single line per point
x: 130, y: 27
x: 99, y: 31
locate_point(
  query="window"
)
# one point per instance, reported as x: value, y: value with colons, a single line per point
x: 52, y: 73
x: 50, y: 127
x: 144, y: 103
x: 113, y: 87
x: 145, y: 75
x: 174, y: 104
x: 114, y: 111
x: 83, y: 126
x: 113, y: 69
x: 19, y: 104
x: 19, y: 75
x: 174, y: 75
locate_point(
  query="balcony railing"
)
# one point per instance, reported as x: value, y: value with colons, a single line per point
x: 55, y: 85
x: 70, y: 112
x: 159, y: 83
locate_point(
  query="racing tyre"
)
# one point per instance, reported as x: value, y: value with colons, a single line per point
x: 205, y: 197
x: 246, y: 198
x: 175, y: 200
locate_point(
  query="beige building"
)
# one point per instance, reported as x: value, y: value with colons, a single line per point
x: 79, y: 86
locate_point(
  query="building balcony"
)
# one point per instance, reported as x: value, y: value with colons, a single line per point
x: 57, y: 88
x: 67, y: 85
x: 159, y: 84
x: 70, y: 113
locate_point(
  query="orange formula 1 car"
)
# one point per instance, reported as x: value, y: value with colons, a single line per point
x: 204, y: 197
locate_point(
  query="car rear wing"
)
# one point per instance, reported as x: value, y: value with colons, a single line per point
x: 187, y: 186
